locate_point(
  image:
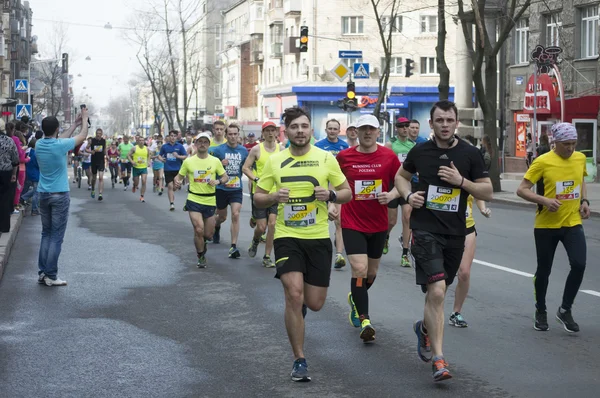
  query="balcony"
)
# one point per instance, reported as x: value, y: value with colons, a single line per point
x: 276, y: 50
x: 256, y: 58
x: 292, y: 7
x: 275, y: 14
x: 291, y: 45
x: 256, y: 26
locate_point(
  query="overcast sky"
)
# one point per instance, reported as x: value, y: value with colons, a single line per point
x: 112, y: 58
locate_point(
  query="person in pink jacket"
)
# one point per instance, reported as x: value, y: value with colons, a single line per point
x: 19, y: 140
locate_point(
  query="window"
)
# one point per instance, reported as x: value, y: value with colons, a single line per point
x: 553, y: 26
x: 589, y: 27
x: 218, y: 89
x: 428, y: 66
x: 276, y: 33
x: 350, y: 63
x: 276, y: 4
x: 396, y: 26
x: 256, y: 11
x: 218, y: 38
x: 395, y: 65
x: 352, y: 25
x: 522, y: 41
x: 428, y: 23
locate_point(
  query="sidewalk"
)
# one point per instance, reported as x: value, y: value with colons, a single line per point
x: 509, y: 196
x: 7, y: 240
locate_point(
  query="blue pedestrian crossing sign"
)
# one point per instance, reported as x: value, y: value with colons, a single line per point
x: 23, y: 110
x: 21, y: 85
x: 361, y: 71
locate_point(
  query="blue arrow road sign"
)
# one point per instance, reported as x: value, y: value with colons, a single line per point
x: 21, y: 86
x: 23, y: 110
x: 361, y: 71
x: 350, y: 54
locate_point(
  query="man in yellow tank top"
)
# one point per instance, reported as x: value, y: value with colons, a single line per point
x: 562, y: 203
x: 258, y: 157
x: 138, y: 156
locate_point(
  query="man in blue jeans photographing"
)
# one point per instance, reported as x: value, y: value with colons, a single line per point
x: 53, y: 191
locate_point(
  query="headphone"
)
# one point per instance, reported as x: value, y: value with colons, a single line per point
x: 450, y: 142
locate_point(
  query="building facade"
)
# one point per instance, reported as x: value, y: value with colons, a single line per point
x: 572, y: 95
x: 286, y: 77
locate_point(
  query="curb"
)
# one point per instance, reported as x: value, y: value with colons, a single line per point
x: 521, y: 203
x: 7, y: 240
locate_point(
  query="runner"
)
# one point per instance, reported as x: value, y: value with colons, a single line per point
x: 138, y: 157
x: 205, y: 173
x: 112, y: 156
x: 124, y: 148
x: 299, y: 180
x: 351, y: 135
x: 172, y: 154
x: 86, y: 162
x: 370, y: 170
x: 98, y: 163
x: 413, y: 132
x: 334, y: 145
x: 450, y: 170
x: 401, y: 146
x: 219, y: 136
x: 232, y: 155
x: 157, y: 167
x: 253, y: 169
x: 559, y: 176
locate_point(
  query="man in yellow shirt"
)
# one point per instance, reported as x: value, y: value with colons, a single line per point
x: 298, y: 178
x: 562, y: 204
x: 204, y: 173
x: 138, y: 157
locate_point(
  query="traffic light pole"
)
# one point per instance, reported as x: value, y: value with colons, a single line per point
x: 329, y: 38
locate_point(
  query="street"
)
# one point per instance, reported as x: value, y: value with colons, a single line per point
x: 138, y: 319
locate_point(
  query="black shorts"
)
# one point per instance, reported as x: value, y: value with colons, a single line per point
x: 126, y: 166
x: 261, y: 214
x: 312, y: 257
x: 357, y: 242
x: 170, y: 176
x: 97, y: 167
x: 225, y: 198
x: 437, y: 256
x: 206, y: 211
x: 397, y: 202
x: 472, y: 229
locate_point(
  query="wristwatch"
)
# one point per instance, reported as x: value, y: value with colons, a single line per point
x: 255, y: 179
x: 332, y: 196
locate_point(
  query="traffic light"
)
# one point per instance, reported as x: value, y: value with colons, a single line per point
x: 351, y: 100
x: 303, y: 39
x: 65, y: 63
x: 408, y: 68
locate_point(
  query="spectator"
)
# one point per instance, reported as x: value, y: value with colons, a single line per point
x: 53, y: 190
x: 21, y: 143
x: 486, y: 151
x: 544, y: 145
x: 31, y: 181
x: 9, y: 166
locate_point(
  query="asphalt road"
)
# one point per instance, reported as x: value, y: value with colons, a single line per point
x: 138, y: 319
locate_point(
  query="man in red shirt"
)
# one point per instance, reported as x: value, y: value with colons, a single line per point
x: 370, y: 170
x: 251, y: 141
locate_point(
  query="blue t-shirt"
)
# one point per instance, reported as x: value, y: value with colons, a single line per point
x: 236, y: 158
x: 420, y: 139
x: 333, y: 147
x: 51, y: 157
x: 32, y: 169
x: 166, y: 152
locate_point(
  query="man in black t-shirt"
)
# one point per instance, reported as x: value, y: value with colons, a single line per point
x: 449, y: 170
x: 98, y: 161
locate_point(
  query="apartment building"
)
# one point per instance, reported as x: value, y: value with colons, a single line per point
x: 573, y: 95
x: 287, y: 77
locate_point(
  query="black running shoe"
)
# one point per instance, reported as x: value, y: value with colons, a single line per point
x: 541, y: 321
x: 300, y: 370
x: 566, y: 319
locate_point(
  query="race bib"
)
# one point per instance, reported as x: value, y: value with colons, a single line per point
x: 234, y: 182
x: 367, y: 189
x: 98, y: 148
x: 202, y: 176
x: 300, y: 215
x: 170, y: 156
x: 141, y: 160
x: 113, y: 160
x: 567, y: 190
x: 443, y: 199
x: 402, y: 157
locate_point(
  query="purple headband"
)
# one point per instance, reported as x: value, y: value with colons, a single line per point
x: 564, y: 132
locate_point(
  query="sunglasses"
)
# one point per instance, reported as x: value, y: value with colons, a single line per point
x: 402, y: 124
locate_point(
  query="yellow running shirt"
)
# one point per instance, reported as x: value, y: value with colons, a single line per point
x: 469, y: 216
x: 140, y: 157
x: 262, y: 161
x: 561, y: 179
x: 303, y: 217
x: 200, y: 172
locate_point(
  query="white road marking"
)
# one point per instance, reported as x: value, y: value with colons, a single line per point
x: 526, y: 274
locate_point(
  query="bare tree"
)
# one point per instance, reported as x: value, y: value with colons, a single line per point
x: 386, y: 14
x: 120, y: 114
x: 440, y: 49
x: 486, y: 85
